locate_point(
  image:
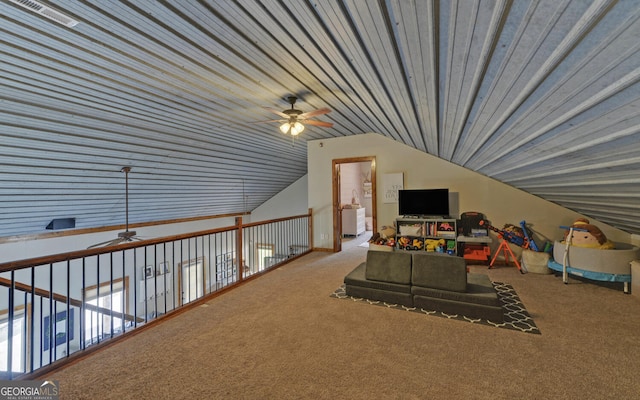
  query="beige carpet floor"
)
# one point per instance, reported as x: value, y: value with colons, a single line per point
x: 283, y: 337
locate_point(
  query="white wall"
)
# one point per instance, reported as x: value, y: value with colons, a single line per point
x: 291, y: 201
x: 475, y: 192
x: 43, y: 247
x: 351, y: 178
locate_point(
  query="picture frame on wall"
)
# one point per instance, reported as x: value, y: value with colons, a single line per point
x: 148, y: 271
x: 392, y: 184
x: 163, y: 268
x: 60, y: 329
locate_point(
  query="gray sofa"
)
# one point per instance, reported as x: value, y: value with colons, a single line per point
x: 428, y: 280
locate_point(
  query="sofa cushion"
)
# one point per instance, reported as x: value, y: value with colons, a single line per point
x: 480, y: 291
x: 386, y: 296
x: 439, y: 271
x: 392, y: 267
x: 481, y: 287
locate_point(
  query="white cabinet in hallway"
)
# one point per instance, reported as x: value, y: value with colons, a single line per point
x: 353, y: 221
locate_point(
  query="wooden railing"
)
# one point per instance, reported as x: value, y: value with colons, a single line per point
x: 57, y: 308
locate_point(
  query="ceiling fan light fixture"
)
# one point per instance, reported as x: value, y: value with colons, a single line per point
x: 296, y: 128
x: 292, y: 119
x: 284, y: 128
x: 293, y: 128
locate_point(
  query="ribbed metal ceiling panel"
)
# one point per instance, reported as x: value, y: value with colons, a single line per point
x: 543, y: 95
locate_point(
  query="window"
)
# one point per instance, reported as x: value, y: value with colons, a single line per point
x: 18, y: 345
x: 103, y: 311
x: 192, y: 282
x: 226, y: 268
x: 264, y: 253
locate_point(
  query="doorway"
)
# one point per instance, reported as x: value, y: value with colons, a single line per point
x: 192, y: 280
x: 354, y: 186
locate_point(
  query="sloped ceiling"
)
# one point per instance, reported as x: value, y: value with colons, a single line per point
x: 542, y: 95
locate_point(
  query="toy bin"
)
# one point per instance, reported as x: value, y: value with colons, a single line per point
x: 477, y: 252
x: 536, y: 262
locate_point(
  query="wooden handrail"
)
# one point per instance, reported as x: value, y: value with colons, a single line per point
x: 61, y: 257
x: 271, y: 221
x: 69, y: 259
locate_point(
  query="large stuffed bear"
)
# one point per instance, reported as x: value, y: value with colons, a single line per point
x: 587, y: 235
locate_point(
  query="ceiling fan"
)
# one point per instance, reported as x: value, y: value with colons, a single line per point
x: 127, y: 235
x: 293, y: 118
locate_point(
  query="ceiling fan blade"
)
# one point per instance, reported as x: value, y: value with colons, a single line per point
x: 280, y: 113
x: 111, y: 242
x: 318, y: 123
x: 314, y: 113
x: 100, y: 244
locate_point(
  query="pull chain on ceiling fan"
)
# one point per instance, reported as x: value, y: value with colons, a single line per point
x: 127, y: 235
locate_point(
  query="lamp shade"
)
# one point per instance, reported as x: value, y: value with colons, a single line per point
x: 284, y: 128
x: 293, y: 128
x: 296, y: 129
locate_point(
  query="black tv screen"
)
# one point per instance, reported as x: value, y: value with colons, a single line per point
x: 424, y: 202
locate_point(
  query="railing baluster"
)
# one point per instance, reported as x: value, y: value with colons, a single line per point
x: 199, y: 285
x: 219, y: 256
x: 164, y: 274
x: 174, y: 272
x: 99, y: 327
x: 41, y: 323
x: 110, y: 294
x: 136, y: 298
x: 32, y: 335
x: 52, y: 314
x: 10, y: 327
x: 124, y: 295
x: 68, y: 304
x: 82, y: 315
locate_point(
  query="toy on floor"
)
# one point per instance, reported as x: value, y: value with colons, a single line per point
x: 584, y: 234
x: 528, y: 235
x: 386, y: 236
x: 511, y: 234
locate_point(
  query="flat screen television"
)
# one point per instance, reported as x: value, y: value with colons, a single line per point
x: 424, y: 202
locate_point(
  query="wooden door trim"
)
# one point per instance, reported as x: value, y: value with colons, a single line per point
x: 336, y: 195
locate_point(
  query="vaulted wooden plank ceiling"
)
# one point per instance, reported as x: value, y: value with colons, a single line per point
x: 542, y: 95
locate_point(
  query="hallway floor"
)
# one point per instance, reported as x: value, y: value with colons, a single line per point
x: 350, y: 242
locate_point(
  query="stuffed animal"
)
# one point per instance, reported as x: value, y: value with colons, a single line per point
x: 589, y: 236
